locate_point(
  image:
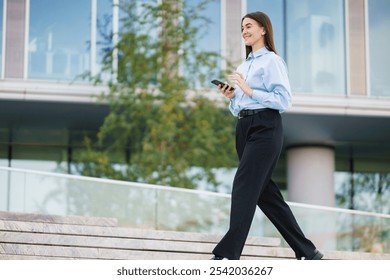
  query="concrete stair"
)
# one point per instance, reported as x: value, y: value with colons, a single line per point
x: 36, y: 236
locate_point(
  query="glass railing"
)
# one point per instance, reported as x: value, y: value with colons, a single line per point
x: 166, y: 208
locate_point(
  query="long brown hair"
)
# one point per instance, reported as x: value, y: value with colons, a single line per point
x: 264, y: 21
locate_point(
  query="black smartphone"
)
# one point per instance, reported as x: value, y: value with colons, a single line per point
x: 217, y: 83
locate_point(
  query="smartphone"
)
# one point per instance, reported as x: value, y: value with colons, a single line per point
x: 217, y: 83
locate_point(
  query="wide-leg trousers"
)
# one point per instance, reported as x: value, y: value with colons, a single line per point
x: 259, y: 139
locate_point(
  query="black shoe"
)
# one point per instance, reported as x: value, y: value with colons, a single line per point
x: 218, y: 258
x: 317, y: 256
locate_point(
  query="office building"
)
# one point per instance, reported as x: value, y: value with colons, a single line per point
x: 336, y: 52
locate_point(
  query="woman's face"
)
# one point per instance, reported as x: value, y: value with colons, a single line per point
x: 252, y: 33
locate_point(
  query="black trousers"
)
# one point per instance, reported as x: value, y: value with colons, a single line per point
x: 259, y: 139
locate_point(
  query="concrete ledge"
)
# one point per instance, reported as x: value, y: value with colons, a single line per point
x: 344, y: 255
x: 71, y: 220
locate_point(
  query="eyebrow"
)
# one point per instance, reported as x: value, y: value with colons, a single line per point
x: 242, y: 26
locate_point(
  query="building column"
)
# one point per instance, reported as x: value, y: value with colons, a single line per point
x: 310, y: 173
x: 232, y: 45
x: 357, y: 60
x: 15, y: 36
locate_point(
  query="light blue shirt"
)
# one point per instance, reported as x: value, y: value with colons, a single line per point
x: 266, y: 73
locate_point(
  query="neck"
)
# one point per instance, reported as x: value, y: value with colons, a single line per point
x: 258, y: 46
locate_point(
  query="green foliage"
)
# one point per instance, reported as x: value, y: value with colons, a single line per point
x: 95, y: 163
x: 159, y: 113
x: 365, y: 192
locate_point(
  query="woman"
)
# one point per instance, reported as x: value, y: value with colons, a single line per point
x: 262, y: 93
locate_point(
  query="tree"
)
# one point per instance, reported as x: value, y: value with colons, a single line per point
x: 171, y: 131
x: 365, y: 192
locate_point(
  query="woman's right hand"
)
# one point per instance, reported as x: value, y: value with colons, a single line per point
x: 225, y: 90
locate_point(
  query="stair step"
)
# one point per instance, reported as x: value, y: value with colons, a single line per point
x: 46, y: 236
x: 31, y: 236
x: 119, y: 232
x: 59, y: 252
x: 71, y: 220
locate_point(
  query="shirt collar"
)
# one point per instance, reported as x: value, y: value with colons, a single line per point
x: 258, y: 53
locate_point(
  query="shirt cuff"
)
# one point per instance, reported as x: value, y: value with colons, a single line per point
x: 231, y: 100
x: 260, y: 95
x: 231, y: 106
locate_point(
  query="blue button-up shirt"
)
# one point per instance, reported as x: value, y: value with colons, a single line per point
x: 266, y: 73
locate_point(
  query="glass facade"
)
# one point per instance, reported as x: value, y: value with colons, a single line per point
x: 379, y: 45
x: 208, y: 24
x: 310, y: 36
x: 58, y: 41
x: 37, y: 149
x: 4, y: 147
x: 316, y: 46
x: 1, y: 37
x: 275, y: 10
x: 43, y: 158
x: 59, y: 46
x: 209, y: 36
x: 103, y: 34
x: 3, y: 155
x: 361, y: 191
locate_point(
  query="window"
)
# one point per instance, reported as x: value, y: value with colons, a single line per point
x: 58, y: 39
x: 42, y: 158
x: 3, y: 155
x: 371, y: 191
x: 4, y: 146
x: 103, y: 35
x: 316, y: 46
x: 60, y: 42
x: 379, y: 45
x: 1, y: 38
x: 274, y: 9
x: 208, y: 37
x: 310, y: 36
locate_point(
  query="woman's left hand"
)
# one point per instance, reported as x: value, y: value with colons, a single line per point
x: 238, y: 79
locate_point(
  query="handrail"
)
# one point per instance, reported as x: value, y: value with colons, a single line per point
x: 112, y: 181
x: 178, y: 189
x: 143, y: 205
